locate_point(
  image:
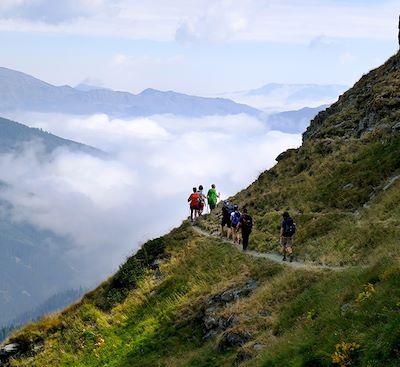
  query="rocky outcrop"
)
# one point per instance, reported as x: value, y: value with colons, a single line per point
x: 215, y: 323
x: 14, y: 350
x: 373, y: 101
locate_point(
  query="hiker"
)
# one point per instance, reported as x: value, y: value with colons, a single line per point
x: 235, y: 216
x: 194, y: 204
x: 202, y: 200
x: 227, y: 209
x: 246, y: 225
x: 288, y: 228
x: 212, y: 197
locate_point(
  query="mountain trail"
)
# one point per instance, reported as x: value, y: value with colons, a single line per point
x: 277, y: 258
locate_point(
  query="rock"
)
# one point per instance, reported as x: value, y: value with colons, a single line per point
x: 242, y: 356
x: 236, y: 293
x: 396, y: 127
x: 213, y: 322
x: 348, y: 186
x: 346, y: 307
x: 285, y: 154
x: 258, y: 347
x: 232, y: 339
x: 391, y: 182
x: 8, y: 351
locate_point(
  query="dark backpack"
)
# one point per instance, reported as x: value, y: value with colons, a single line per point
x: 247, y: 222
x: 227, y: 210
x: 289, y: 227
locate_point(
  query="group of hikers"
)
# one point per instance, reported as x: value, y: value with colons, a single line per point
x: 239, y: 222
x: 197, y: 200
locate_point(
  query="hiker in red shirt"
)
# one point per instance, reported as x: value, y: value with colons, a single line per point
x: 194, y: 204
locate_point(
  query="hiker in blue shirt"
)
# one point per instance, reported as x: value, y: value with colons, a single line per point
x: 235, y: 217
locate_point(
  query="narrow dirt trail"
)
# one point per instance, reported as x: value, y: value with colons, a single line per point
x: 271, y: 256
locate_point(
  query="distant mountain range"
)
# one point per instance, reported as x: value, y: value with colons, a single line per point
x: 275, y: 97
x: 294, y: 122
x: 22, y: 92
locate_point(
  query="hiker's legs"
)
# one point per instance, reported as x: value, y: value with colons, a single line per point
x: 233, y: 233
x: 245, y: 238
x: 286, y: 243
x: 283, y: 244
x: 192, y: 211
x: 237, y: 236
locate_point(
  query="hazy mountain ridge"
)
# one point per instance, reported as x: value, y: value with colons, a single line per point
x: 22, y: 92
x: 293, y: 121
x: 54, y: 303
x: 342, y: 187
x: 279, y: 97
x: 14, y: 135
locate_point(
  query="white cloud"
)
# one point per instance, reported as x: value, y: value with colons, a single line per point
x: 220, y: 22
x: 207, y: 20
x: 346, y: 58
x: 52, y: 12
x: 107, y: 207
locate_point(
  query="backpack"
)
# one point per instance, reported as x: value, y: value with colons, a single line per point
x: 227, y: 210
x: 235, y: 218
x: 194, y: 200
x: 247, y: 222
x: 289, y: 228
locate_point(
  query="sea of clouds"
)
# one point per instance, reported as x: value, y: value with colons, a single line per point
x: 108, y: 206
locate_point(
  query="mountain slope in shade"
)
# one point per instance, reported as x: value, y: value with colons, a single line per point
x: 14, y: 135
x: 22, y: 92
x: 33, y: 263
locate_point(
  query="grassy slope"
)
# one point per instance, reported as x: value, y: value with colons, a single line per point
x: 301, y: 317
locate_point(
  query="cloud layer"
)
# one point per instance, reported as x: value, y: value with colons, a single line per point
x: 108, y: 207
x: 249, y: 20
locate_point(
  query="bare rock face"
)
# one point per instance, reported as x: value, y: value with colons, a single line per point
x: 233, y: 338
x: 373, y: 102
x: 213, y: 322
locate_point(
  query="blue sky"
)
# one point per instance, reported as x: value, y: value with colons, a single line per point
x: 193, y: 46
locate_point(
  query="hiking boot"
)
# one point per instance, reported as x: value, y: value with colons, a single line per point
x: 291, y: 258
x: 284, y: 258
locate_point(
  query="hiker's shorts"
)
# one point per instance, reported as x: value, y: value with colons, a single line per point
x: 226, y: 221
x: 286, y: 242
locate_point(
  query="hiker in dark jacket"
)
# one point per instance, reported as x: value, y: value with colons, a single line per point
x: 227, y: 209
x: 246, y: 225
x: 288, y: 228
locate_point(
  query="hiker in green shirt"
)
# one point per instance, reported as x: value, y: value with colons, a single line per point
x: 212, y: 196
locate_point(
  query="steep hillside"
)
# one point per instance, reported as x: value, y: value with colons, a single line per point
x: 187, y: 299
x: 22, y: 92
